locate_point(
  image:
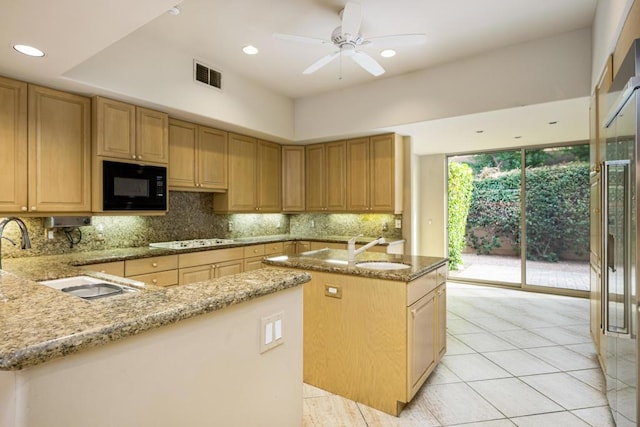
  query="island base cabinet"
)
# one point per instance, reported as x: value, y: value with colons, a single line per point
x: 203, y: 371
x: 371, y: 340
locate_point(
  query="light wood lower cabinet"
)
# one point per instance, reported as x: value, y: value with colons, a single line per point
x: 158, y: 271
x: 205, y: 265
x: 371, y: 340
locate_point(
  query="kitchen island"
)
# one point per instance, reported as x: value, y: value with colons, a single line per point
x: 187, y: 355
x: 371, y: 335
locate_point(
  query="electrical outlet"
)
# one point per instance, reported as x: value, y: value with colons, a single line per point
x: 271, y: 331
x: 230, y: 226
x: 313, y: 224
x: 398, y: 223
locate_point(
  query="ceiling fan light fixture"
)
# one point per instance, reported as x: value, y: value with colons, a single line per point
x: 28, y: 50
x: 250, y: 50
x: 388, y: 53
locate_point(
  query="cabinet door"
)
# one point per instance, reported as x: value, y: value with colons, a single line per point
x: 182, y: 154
x: 336, y: 176
x: 115, y: 268
x: 315, y: 177
x: 421, y: 321
x: 228, y: 268
x: 358, y: 175
x: 242, y: 174
x: 303, y: 247
x: 382, y: 173
x: 293, y: 188
x: 441, y: 297
x: 289, y: 248
x: 251, y: 264
x: 269, y: 175
x: 114, y: 128
x: 59, y: 151
x: 152, y: 136
x: 212, y: 158
x: 195, y: 274
x: 13, y: 145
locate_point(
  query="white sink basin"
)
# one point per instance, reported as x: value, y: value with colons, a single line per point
x: 382, y: 265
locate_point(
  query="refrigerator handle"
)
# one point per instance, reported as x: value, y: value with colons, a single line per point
x: 611, y: 254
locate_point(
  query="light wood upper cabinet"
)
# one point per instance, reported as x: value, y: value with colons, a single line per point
x: 293, y: 186
x: 326, y: 177
x: 124, y: 131
x: 358, y: 174
x: 13, y: 145
x: 59, y: 151
x: 197, y: 157
x: 254, y: 177
x: 375, y: 179
x: 269, y: 177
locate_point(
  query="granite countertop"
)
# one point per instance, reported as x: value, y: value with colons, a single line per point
x: 38, y: 323
x: 335, y: 261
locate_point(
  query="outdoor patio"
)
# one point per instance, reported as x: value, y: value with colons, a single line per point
x: 496, y: 268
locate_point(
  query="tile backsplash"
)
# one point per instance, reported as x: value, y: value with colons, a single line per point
x: 191, y: 216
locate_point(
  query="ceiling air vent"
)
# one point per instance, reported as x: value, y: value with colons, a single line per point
x: 206, y: 75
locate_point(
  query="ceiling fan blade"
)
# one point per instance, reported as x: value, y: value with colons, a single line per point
x: 368, y: 63
x: 302, y: 39
x: 351, y: 18
x: 399, y: 39
x: 321, y: 62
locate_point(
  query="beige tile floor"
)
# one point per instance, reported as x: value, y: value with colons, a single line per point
x: 513, y: 359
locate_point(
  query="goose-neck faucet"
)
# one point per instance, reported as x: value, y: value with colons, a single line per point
x: 25, y: 242
x: 352, y: 251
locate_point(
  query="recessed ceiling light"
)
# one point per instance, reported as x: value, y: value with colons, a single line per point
x: 250, y: 50
x: 388, y: 53
x: 175, y: 10
x: 28, y: 50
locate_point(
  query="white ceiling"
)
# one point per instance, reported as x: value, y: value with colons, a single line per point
x: 71, y: 31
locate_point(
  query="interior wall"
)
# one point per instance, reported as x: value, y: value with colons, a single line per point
x: 607, y: 25
x: 431, y: 208
x: 241, y: 104
x: 535, y: 72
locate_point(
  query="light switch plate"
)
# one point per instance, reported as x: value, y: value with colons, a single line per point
x: 271, y: 331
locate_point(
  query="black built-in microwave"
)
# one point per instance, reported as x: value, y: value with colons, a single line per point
x: 133, y: 187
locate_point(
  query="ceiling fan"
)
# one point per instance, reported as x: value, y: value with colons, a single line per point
x: 347, y: 38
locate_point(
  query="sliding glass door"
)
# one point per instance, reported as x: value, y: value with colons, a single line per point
x: 527, y: 221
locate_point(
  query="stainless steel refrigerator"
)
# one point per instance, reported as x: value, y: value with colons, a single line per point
x: 620, y: 191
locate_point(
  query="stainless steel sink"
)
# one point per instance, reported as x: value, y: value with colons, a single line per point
x: 382, y: 265
x: 88, y: 288
x: 190, y: 244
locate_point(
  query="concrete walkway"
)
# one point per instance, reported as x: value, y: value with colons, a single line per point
x: 495, y: 268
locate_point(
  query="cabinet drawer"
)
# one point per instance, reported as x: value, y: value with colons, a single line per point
x: 421, y: 286
x: 113, y: 268
x: 160, y: 278
x: 274, y: 248
x: 210, y: 257
x: 150, y: 265
x: 255, y: 250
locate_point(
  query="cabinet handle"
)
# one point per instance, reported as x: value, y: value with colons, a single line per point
x: 139, y: 157
x: 155, y: 264
x: 154, y: 281
x: 23, y: 209
x: 133, y: 157
x: 33, y: 208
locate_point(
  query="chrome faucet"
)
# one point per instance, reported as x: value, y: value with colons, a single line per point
x: 25, y: 242
x: 352, y: 252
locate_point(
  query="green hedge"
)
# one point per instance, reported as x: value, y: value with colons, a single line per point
x: 460, y: 186
x: 557, y: 203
